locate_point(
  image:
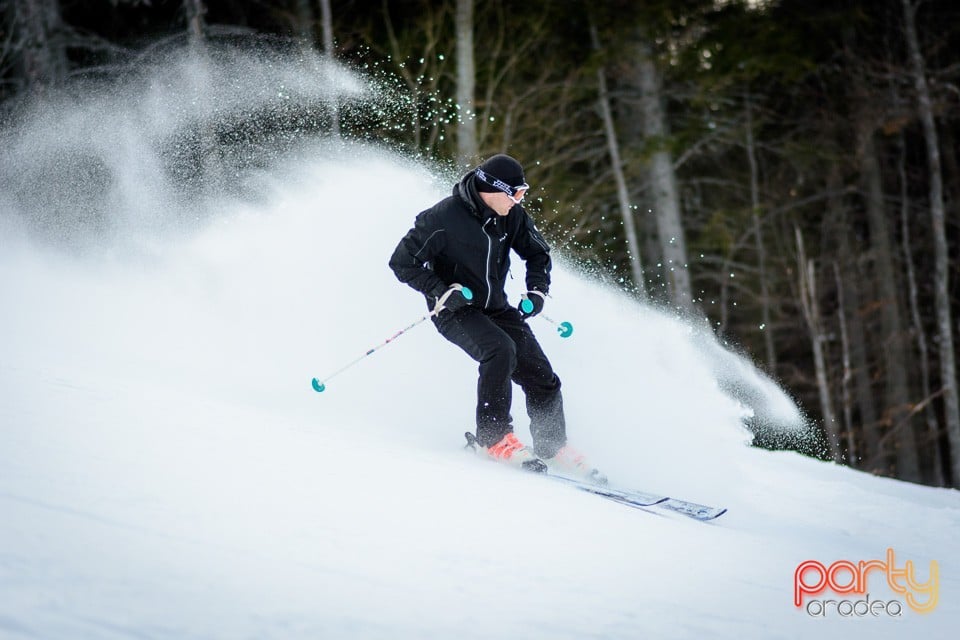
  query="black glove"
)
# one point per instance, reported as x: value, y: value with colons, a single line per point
x: 531, y: 303
x: 452, y: 299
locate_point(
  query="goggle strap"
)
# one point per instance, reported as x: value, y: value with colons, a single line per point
x: 499, y: 184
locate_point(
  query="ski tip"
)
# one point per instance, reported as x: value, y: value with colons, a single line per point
x: 705, y: 514
x: 318, y: 386
x: 565, y: 329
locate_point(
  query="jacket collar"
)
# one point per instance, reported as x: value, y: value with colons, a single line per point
x: 466, y: 190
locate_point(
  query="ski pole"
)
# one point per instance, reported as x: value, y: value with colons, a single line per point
x: 565, y: 329
x: 319, y: 385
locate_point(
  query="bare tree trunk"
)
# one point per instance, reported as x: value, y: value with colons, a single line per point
x: 895, y: 356
x: 623, y: 196
x: 845, y: 393
x: 851, y: 308
x: 811, y: 313
x: 326, y: 22
x: 948, y: 367
x: 423, y: 79
x: 758, y: 237
x: 872, y: 455
x: 663, y: 182
x: 304, y: 23
x: 933, y: 427
x: 195, y: 10
x: 209, y: 164
x: 856, y: 366
x: 467, y: 150
x: 42, y: 50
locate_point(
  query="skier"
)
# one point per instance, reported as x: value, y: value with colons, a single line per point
x: 465, y: 241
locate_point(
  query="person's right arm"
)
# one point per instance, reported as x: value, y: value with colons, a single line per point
x: 416, y: 251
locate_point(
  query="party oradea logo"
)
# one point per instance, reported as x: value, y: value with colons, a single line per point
x: 865, y: 589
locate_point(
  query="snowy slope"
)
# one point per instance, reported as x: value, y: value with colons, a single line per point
x: 166, y: 470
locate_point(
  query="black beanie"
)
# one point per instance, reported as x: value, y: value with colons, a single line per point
x: 503, y: 168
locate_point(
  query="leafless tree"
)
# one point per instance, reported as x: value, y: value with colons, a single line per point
x: 467, y: 149
x: 810, y: 305
x: 627, y: 212
x: 663, y: 181
x: 38, y: 37
x: 948, y: 367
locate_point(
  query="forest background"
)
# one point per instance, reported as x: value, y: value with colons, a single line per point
x: 785, y: 172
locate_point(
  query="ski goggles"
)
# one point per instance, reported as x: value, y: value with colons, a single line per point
x: 497, y: 183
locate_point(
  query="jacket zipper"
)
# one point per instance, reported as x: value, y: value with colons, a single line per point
x: 489, y: 266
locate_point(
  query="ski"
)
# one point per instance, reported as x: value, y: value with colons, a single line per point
x: 642, y: 499
x: 700, y: 512
x: 628, y: 497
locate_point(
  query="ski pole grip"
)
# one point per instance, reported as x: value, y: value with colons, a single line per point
x: 526, y: 305
x: 466, y: 293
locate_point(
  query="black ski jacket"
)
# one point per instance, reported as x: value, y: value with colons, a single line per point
x: 460, y: 239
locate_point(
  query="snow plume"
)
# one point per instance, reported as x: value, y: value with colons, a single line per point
x: 107, y: 163
x: 166, y: 469
x: 248, y: 288
x: 121, y: 167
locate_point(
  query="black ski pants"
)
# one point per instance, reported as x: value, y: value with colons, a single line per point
x: 503, y: 344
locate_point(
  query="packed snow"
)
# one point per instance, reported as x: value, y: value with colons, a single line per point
x: 167, y: 471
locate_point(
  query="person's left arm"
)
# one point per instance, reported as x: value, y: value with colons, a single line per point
x: 530, y: 245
